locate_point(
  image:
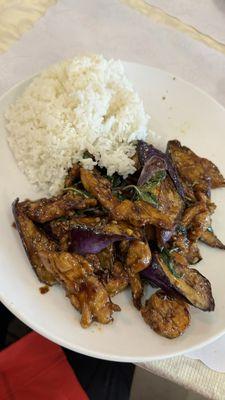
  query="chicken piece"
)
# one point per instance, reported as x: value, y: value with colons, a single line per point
x: 99, y: 187
x: 73, y: 173
x: 86, y: 293
x: 138, y: 256
x: 208, y: 237
x: 167, y: 314
x: 34, y: 241
x: 140, y: 213
x: 193, y: 168
x: 45, y: 210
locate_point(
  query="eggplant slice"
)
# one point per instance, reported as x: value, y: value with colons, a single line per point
x: 209, y: 238
x: 187, y: 281
x: 34, y: 241
x: 45, y: 210
x: 168, y: 199
x: 192, y: 168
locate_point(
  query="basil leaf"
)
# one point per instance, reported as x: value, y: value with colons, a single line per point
x: 167, y: 260
x: 81, y: 192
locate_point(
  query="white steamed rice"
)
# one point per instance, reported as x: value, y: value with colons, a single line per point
x: 83, y: 104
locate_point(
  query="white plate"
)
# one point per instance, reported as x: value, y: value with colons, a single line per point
x: 178, y: 110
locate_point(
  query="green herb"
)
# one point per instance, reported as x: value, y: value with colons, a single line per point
x: 144, y: 192
x: 119, y: 195
x: 62, y: 219
x: 81, y: 192
x: 155, y: 180
x: 167, y: 260
x: 115, y: 180
x: 181, y: 229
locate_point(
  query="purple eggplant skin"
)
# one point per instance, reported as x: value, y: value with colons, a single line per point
x: 156, y: 276
x: 192, y: 285
x: 163, y: 236
x: 88, y: 241
x: 148, y: 152
x: 152, y: 165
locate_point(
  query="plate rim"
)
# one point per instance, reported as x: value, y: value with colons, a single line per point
x: 93, y: 353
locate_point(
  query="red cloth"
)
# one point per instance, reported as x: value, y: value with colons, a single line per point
x: 34, y: 368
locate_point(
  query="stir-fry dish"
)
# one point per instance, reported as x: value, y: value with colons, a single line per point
x: 102, y: 234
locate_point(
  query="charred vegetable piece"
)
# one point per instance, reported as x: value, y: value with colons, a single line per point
x: 167, y: 314
x: 84, y: 241
x: 60, y: 228
x: 149, y: 157
x: 168, y: 199
x: 34, y: 241
x: 138, y: 256
x: 73, y: 173
x: 208, y: 237
x: 154, y: 166
x: 136, y: 288
x: 193, y: 255
x: 187, y: 281
x: 193, y: 168
x: 111, y: 273
x: 99, y: 187
x: 86, y: 293
x: 163, y: 236
x: 45, y: 210
x: 139, y: 213
x: 118, y: 279
x: 182, y: 251
x: 122, y: 228
x: 191, y: 212
x: 88, y: 222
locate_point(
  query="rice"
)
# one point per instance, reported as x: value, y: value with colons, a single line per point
x: 79, y: 105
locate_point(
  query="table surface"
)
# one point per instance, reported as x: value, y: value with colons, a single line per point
x: 18, y: 17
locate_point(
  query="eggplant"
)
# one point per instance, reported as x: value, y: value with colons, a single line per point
x: 34, y: 241
x: 194, y: 169
x: 147, y: 153
x: 208, y: 237
x: 88, y: 241
x: 189, y: 282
